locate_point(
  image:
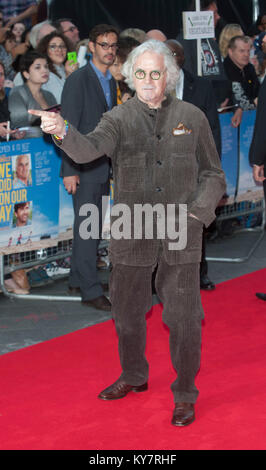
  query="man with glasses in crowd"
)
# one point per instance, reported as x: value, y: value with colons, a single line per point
x: 87, y: 94
x: 66, y: 27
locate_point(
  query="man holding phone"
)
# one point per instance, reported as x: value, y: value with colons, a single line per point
x: 87, y: 94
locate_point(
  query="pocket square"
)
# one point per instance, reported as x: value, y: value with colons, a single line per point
x: 181, y: 129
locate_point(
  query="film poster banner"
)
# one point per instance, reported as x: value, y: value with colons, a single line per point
x: 248, y: 189
x: 229, y: 158
x: 66, y: 215
x: 29, y: 195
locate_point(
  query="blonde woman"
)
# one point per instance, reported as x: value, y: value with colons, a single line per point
x: 228, y: 32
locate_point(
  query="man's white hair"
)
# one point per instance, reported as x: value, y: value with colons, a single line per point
x: 159, y: 48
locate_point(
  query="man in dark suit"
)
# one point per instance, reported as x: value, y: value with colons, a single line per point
x: 88, y: 93
x: 198, y: 91
x: 257, y: 151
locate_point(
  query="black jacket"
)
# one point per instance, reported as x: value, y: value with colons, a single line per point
x: 83, y: 104
x: 257, y: 151
x: 199, y: 91
x: 245, y: 83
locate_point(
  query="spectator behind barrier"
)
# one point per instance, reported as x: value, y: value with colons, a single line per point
x: 35, y: 72
x: 15, y: 11
x: 6, y: 56
x: 18, y: 29
x: 56, y: 46
x: 39, y: 30
x: 69, y: 29
x: 4, y: 112
x: 125, y: 46
x: 227, y: 33
x: 242, y: 74
x: 135, y: 33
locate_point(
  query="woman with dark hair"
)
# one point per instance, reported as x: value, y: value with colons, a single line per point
x: 6, y: 56
x: 35, y: 72
x: 56, y: 46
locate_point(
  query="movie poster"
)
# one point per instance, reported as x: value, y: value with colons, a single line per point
x: 29, y: 194
x: 229, y: 136
x: 248, y: 189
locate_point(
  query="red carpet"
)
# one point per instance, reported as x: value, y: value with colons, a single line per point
x: 49, y: 391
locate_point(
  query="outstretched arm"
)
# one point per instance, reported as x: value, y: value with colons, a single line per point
x: 81, y: 148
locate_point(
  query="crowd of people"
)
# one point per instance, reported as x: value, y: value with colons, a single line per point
x: 35, y: 64
x: 131, y: 82
x: 222, y: 59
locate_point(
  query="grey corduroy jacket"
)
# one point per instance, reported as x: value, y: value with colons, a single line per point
x: 164, y: 156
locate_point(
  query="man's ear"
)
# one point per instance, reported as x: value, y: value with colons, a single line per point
x: 91, y: 47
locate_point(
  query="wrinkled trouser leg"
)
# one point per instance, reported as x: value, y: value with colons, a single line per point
x: 179, y: 290
x: 131, y: 297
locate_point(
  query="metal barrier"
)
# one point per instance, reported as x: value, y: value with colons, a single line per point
x: 241, y: 209
x: 30, y: 259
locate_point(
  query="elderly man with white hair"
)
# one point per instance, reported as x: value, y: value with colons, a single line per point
x: 163, y: 156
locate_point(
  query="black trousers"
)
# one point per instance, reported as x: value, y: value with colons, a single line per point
x: 178, y: 288
x: 83, y: 272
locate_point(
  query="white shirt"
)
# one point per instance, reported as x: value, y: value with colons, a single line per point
x: 180, y: 85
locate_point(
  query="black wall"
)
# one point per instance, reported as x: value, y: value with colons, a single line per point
x: 144, y: 14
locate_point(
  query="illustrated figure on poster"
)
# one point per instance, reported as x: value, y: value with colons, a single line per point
x: 29, y: 241
x: 19, y: 239
x: 22, y: 176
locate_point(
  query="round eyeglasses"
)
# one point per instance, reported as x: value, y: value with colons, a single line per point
x: 154, y: 74
x: 61, y: 47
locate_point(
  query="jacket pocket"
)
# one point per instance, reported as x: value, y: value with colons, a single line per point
x: 131, y: 172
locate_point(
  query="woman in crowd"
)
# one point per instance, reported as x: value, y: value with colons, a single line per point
x: 18, y: 29
x: 6, y: 55
x: 227, y: 33
x: 56, y: 46
x: 125, y: 46
x: 35, y: 73
x: 4, y: 111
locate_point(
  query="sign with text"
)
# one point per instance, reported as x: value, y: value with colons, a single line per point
x: 198, y: 24
x: 29, y: 195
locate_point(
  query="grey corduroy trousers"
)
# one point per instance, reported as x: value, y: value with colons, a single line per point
x: 178, y: 287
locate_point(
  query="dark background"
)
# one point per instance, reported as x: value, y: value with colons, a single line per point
x: 145, y: 14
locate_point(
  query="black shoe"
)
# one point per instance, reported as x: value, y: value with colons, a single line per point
x: 206, y: 283
x: 100, y: 303
x: 261, y: 296
x: 77, y: 291
x: 74, y: 291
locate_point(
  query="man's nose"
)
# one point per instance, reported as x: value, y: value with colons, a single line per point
x: 147, y: 78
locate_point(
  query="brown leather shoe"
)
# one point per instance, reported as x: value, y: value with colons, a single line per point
x: 120, y: 389
x: 184, y: 414
x: 100, y: 303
